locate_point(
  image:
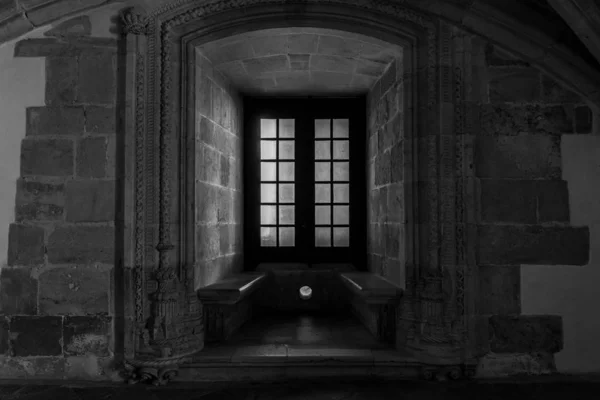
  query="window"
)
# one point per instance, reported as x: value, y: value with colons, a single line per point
x: 305, y: 180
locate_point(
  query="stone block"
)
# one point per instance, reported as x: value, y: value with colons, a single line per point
x: 514, y: 85
x: 14, y: 26
x: 319, y: 62
x: 516, y: 119
x: 224, y: 181
x: 395, y: 203
x: 525, y: 333
x: 554, y: 92
x: 4, y: 335
x: 552, y: 201
x: 81, y: 244
x: 229, y: 52
x: 518, y: 157
x: 370, y: 68
x: 47, y: 157
x: 79, y: 290
x: 92, y: 157
x: 97, y: 78
x: 225, y: 206
x: 383, y: 170
x: 207, y: 239
x: 90, y: 201
x: 501, y: 58
x: 583, y: 119
x: 18, y: 291
x: 206, y: 203
x: 536, y: 245
x: 54, y: 121
x: 302, y: 43
x: 393, y: 240
x: 388, y: 79
x: 499, y: 289
x: 299, y: 62
x: 217, y: 103
x: 74, y: 27
x: 39, y: 16
x: 100, y: 120
x: 397, y: 162
x: 39, y: 201
x: 263, y: 65
x: 25, y: 245
x: 269, y: 45
x: 61, y: 80
x: 211, y: 165
x: 36, y: 336
x: 336, y: 45
x: 203, y: 94
x: 508, y: 200
x: 86, y: 335
x: 226, y: 233
x: 47, y: 368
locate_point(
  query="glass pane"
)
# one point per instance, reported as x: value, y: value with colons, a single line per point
x: 286, y: 193
x: 267, y: 236
x: 323, y: 237
x: 322, y: 171
x: 268, y: 171
x: 341, y: 193
x: 341, y: 150
x: 286, y: 171
x: 268, y: 150
x: 322, y: 128
x: 286, y: 215
x: 286, y: 128
x: 322, y: 215
x: 286, y: 150
x: 341, y: 171
x: 341, y: 215
x: 287, y: 237
x: 268, y: 193
x: 341, y: 237
x: 268, y: 215
x: 340, y: 128
x: 267, y: 128
x: 322, y: 150
x: 322, y: 193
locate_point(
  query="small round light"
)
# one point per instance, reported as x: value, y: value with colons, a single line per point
x: 305, y: 292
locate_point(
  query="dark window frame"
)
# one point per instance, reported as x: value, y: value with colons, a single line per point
x: 304, y: 111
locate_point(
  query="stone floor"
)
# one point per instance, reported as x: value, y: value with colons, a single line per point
x: 306, y: 330
x: 560, y: 387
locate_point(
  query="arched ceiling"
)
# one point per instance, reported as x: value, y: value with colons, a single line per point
x: 301, y: 61
x: 560, y: 37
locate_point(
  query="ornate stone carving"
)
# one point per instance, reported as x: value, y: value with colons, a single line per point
x: 433, y: 292
x: 134, y: 22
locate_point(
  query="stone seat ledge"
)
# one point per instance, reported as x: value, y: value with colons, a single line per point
x: 373, y: 288
x: 232, y: 289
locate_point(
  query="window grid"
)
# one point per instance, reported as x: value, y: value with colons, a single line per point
x: 331, y: 204
x: 278, y: 228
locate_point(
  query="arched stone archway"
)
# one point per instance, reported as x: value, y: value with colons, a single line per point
x: 501, y: 27
x: 165, y: 323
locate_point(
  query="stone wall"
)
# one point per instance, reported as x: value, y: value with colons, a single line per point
x: 56, y: 300
x: 524, y: 213
x: 218, y: 172
x: 385, y: 172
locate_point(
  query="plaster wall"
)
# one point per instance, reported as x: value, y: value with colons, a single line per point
x: 572, y: 291
x: 22, y: 83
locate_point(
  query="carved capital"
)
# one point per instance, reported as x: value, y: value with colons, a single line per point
x: 134, y: 22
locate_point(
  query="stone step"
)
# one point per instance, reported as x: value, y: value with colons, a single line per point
x: 283, y: 362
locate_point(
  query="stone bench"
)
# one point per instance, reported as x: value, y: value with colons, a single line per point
x: 227, y: 304
x: 374, y: 301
